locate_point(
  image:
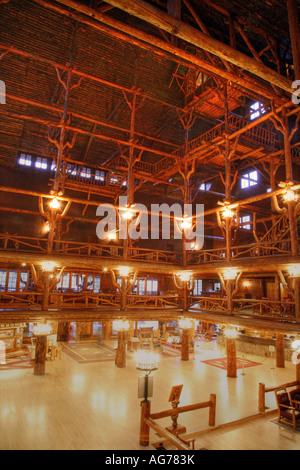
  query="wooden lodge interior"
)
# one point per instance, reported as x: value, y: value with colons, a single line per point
x: 181, y: 103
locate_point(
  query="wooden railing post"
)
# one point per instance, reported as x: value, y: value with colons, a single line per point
x: 212, y: 410
x: 261, y: 398
x: 145, y: 428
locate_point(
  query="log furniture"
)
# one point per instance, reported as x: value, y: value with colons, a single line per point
x: 287, y: 412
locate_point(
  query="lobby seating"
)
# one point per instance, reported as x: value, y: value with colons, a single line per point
x: 287, y: 411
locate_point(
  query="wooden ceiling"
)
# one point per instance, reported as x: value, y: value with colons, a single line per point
x: 42, y: 41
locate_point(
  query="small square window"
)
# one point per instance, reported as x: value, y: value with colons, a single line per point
x: 25, y: 160
x: 41, y: 163
x: 256, y: 110
x: 249, y: 179
x: 244, y: 220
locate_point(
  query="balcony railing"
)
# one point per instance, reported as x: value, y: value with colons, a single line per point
x: 18, y: 243
x: 282, y: 310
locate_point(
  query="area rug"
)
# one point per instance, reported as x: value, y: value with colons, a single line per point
x: 86, y: 353
x: 22, y: 361
x: 240, y: 363
x: 286, y: 426
x: 170, y: 351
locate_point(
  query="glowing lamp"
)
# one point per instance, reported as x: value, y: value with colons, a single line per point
x: 111, y: 236
x: 295, y: 271
x: 42, y: 330
x: 121, y: 325
x: 147, y: 361
x: 290, y: 196
x: 185, y: 324
x: 185, y: 276
x: 48, y: 266
x: 128, y: 214
x: 124, y: 271
x: 186, y: 224
x: 232, y: 334
x: 296, y: 344
x: 54, y: 204
x: 230, y: 274
x: 227, y: 213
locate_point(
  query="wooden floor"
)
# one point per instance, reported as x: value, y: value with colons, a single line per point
x: 94, y: 405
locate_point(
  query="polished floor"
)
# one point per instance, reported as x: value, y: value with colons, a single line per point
x: 93, y: 405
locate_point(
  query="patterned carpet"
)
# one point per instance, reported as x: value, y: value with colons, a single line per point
x: 86, y: 353
x: 222, y: 363
x: 22, y: 361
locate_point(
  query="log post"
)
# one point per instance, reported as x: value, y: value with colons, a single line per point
x: 46, y: 291
x: 294, y: 34
x: 229, y: 292
x: 212, y: 410
x: 121, y: 349
x: 124, y: 294
x: 144, y: 427
x: 185, y: 345
x: 106, y: 329
x: 298, y: 372
x: 280, y: 362
x: 297, y: 299
x: 40, y: 355
x: 261, y: 398
x: 231, y: 357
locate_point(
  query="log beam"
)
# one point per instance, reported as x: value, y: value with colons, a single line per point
x: 154, y: 16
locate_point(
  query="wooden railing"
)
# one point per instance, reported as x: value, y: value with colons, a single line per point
x: 153, y: 301
x: 208, y: 303
x: 84, y: 299
x: 263, y: 390
x: 258, y: 135
x: 269, y: 309
x: 252, y: 250
x: 283, y: 309
x: 20, y: 299
x: 64, y: 247
x: 268, y: 248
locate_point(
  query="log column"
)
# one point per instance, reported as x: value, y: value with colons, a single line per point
x: 294, y: 34
x: 121, y: 349
x: 144, y: 427
x: 46, y: 293
x: 185, y: 345
x: 297, y: 299
x: 231, y: 357
x: 280, y: 362
x: 40, y: 355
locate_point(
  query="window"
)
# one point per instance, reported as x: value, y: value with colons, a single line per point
x: 198, y: 287
x: 139, y: 287
x: 2, y: 280
x: 53, y: 166
x: 90, y: 282
x: 74, y: 282
x: 114, y: 180
x: 41, y: 163
x: 64, y: 283
x: 217, y: 287
x: 12, y: 281
x: 256, y: 110
x: 86, y: 173
x: 205, y: 186
x: 97, y: 285
x: 244, y: 220
x: 100, y: 176
x: 25, y: 160
x: 152, y: 286
x: 249, y: 179
x: 71, y: 169
x: 23, y: 280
